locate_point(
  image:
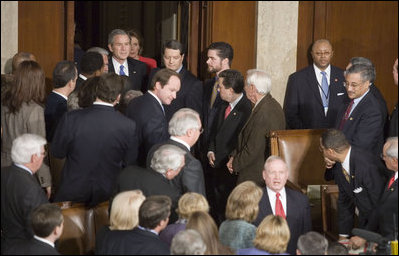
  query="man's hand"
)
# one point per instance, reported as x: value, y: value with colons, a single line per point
x: 356, y: 242
x: 48, y: 192
x: 230, y: 165
x: 329, y: 163
x: 211, y: 158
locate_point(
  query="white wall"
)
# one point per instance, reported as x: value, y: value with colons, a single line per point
x: 9, y: 33
x: 277, y: 42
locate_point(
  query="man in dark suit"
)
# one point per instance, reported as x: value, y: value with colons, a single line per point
x: 361, y: 120
x: 233, y: 114
x: 315, y: 93
x: 384, y: 218
x: 120, y: 62
x: 185, y: 129
x: 373, y: 89
x: 190, y: 93
x: 20, y: 190
x: 91, y: 64
x: 358, y: 176
x: 167, y: 162
x: 64, y: 78
x: 282, y: 201
x: 393, y: 120
x: 148, y: 112
x: 252, y: 149
x: 47, y: 223
x: 97, y: 142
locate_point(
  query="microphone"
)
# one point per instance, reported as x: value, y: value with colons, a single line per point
x: 370, y: 236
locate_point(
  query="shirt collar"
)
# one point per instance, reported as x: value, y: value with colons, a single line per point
x: 178, y: 71
x: 346, y: 163
x: 83, y: 77
x: 180, y: 141
x: 317, y: 70
x: 117, y: 65
x: 62, y: 95
x: 272, y: 194
x: 44, y: 240
x: 147, y: 229
x: 24, y: 167
x: 103, y: 103
x: 234, y: 103
x: 155, y: 96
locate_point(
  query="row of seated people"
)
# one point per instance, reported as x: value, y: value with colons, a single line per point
x: 293, y: 205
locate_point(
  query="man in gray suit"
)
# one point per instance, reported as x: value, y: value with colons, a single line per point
x: 185, y: 128
x: 253, y: 141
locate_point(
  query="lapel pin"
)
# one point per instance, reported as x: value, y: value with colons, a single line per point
x: 351, y: 118
x: 335, y: 80
x: 234, y: 113
x: 392, y: 189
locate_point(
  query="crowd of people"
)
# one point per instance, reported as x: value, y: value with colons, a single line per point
x: 186, y: 164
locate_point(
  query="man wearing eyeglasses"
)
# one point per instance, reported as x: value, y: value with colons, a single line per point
x: 314, y: 94
x: 185, y: 128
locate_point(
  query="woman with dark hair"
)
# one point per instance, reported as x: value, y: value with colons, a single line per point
x: 22, y: 112
x: 136, y: 49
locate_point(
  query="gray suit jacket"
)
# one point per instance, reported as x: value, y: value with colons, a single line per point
x: 29, y: 119
x: 253, y: 140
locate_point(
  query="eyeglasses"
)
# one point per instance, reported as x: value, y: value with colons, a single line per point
x: 319, y: 54
x: 353, y: 85
x: 383, y: 156
x: 201, y: 130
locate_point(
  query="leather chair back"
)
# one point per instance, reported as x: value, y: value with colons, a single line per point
x: 300, y: 150
x: 101, y: 215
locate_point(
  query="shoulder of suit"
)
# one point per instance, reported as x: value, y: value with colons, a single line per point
x: 135, y: 62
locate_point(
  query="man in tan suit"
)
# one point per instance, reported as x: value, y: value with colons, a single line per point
x: 248, y: 158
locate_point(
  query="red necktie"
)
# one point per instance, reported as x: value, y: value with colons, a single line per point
x: 227, y: 112
x: 391, y: 181
x: 279, y: 207
x: 346, y: 116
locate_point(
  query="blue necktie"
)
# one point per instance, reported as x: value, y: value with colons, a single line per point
x: 121, y: 72
x: 324, y: 88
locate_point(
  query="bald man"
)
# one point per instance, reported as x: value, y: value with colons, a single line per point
x: 314, y: 94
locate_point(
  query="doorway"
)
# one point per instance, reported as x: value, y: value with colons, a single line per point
x: 157, y: 21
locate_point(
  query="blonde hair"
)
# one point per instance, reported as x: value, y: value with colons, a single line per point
x: 272, y: 235
x: 191, y: 202
x: 243, y: 202
x: 125, y: 210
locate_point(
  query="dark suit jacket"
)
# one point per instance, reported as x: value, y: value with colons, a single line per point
x: 393, y: 122
x: 303, y: 105
x: 365, y: 126
x: 129, y: 242
x: 224, y: 134
x: 253, y: 141
x: 152, y: 127
x: 32, y: 247
x: 97, y: 142
x: 137, y: 73
x: 20, y: 194
x: 365, y: 174
x: 298, y: 215
x: 191, y: 177
x: 382, y: 218
x: 189, y: 95
x: 79, y: 82
x: 382, y: 107
x: 208, y: 116
x: 150, y: 183
x: 55, y: 107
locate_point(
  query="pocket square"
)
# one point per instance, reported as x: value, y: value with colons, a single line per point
x: 340, y: 93
x: 358, y: 190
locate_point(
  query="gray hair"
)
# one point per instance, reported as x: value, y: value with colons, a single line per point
x: 392, y: 150
x: 167, y: 157
x: 260, y: 80
x: 272, y: 158
x: 26, y: 145
x: 364, y: 61
x: 312, y: 243
x: 99, y: 50
x: 183, y: 120
x: 188, y: 242
x: 116, y: 32
x: 366, y: 72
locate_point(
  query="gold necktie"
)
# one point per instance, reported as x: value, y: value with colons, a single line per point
x: 346, y: 174
x: 214, y: 93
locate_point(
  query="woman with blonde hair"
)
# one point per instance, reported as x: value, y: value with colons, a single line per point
x: 242, y: 208
x: 272, y: 237
x: 206, y: 226
x: 188, y: 203
x: 124, y: 218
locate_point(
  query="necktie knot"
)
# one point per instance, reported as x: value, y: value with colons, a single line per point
x: 277, y: 194
x: 323, y: 73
